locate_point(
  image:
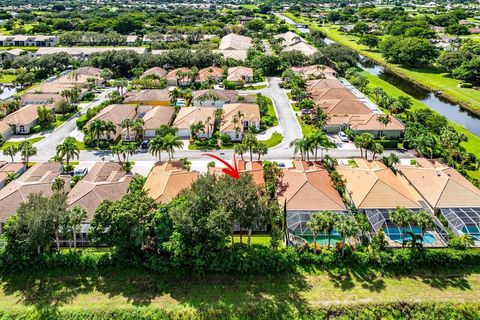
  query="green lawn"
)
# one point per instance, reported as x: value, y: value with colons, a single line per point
x: 259, y: 87
x: 271, y: 112
x: 274, y: 140
x: 207, y: 297
x: 16, y: 143
x: 426, y: 77
x: 307, y: 129
x: 473, y: 144
x: 7, y: 78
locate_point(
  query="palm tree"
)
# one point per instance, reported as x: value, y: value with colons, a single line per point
x: 157, y: 145
x: 195, y: 128
x: 186, y: 164
x: 117, y: 150
x: 424, y: 220
x: 302, y: 146
x: 377, y: 148
x: 170, y: 143
x: 250, y: 141
x: 27, y: 150
x: 326, y: 222
x: 58, y: 185
x: 120, y: 84
x: 75, y: 217
x: 138, y: 128
x: 240, y: 149
x: 174, y: 95
x: 261, y: 149
x: 95, y: 128
x: 109, y: 127
x: 347, y: 227
x: 127, y: 124
x: 401, y: 217
x: 10, y: 151
x: 68, y: 149
x: 10, y: 177
x: 318, y: 139
x: 314, y: 225
x: 384, y: 119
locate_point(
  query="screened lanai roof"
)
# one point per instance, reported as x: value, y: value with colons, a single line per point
x: 297, y: 221
x: 379, y: 219
x: 463, y: 220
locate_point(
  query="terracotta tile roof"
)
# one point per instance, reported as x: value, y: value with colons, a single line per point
x: 167, y: 180
x: 116, y: 113
x: 7, y: 168
x: 205, y: 73
x: 160, y: 72
x: 440, y: 185
x: 251, y: 113
x: 238, y: 73
x: 37, y: 179
x: 40, y: 98
x: 316, y: 70
x: 331, y: 94
x: 371, y: 185
x: 190, y: 115
x: 149, y: 95
x: 254, y: 168
x: 51, y: 87
x: 234, y: 41
x: 105, y: 181
x: 343, y: 107
x: 366, y: 122
x: 172, y: 75
x: 24, y: 115
x: 323, y: 84
x: 289, y: 38
x: 307, y: 186
x: 157, y: 116
x: 228, y: 96
x: 233, y: 54
x: 303, y: 47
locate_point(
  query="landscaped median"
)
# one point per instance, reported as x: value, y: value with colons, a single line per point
x: 17, y: 143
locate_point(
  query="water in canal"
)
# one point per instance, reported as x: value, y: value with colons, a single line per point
x: 450, y: 110
x: 7, y: 91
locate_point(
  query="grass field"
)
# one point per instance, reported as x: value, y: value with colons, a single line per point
x: 427, y: 77
x: 7, y: 78
x: 473, y: 144
x: 270, y: 294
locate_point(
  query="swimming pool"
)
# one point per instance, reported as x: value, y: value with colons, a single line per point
x: 395, y: 234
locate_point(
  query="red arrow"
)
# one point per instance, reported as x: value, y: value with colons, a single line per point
x: 230, y: 170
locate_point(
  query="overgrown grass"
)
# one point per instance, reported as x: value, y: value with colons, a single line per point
x: 16, y: 143
x: 7, y: 78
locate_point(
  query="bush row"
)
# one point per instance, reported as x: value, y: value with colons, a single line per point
x: 263, y: 310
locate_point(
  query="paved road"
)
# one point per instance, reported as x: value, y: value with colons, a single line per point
x: 47, y: 146
x: 288, y: 124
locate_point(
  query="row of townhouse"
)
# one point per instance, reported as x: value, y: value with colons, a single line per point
x: 345, y: 106
x: 375, y: 190
x: 28, y: 41
x: 47, y: 94
x: 153, y: 107
x: 181, y: 77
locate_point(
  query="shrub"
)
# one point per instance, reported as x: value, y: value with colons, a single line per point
x: 388, y: 144
x: 466, y: 85
x: 82, y: 121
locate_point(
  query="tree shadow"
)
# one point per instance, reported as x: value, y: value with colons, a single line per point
x: 212, y: 294
x: 345, y: 280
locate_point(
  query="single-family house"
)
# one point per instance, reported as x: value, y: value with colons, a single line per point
x: 233, y: 54
x: 302, y: 47
x: 85, y: 52
x: 179, y: 77
x: 36, y: 180
x: 166, y: 180
x: 316, y: 84
x: 237, y: 74
x: 446, y: 192
x: 370, y: 123
x: 214, y: 74
x: 234, y: 41
x: 24, y: 119
x: 216, y: 98
x: 331, y: 94
x: 304, y: 189
x: 375, y: 190
x: 9, y: 169
x: 41, y: 99
x: 153, y: 117
x: 253, y: 168
x: 188, y: 116
x: 155, y: 72
x: 153, y: 97
x: 10, y: 55
x: 104, y: 181
x: 238, y: 118
x: 316, y: 72
x: 115, y: 113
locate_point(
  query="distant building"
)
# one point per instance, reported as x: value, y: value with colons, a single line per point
x: 28, y: 41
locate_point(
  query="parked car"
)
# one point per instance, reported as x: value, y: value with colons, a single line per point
x: 343, y: 136
x: 80, y: 172
x: 144, y: 145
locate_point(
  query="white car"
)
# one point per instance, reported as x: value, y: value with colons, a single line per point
x: 343, y: 136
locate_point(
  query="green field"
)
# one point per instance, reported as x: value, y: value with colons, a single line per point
x: 473, y: 143
x: 7, y: 78
x: 276, y: 296
x: 274, y: 140
x: 426, y: 77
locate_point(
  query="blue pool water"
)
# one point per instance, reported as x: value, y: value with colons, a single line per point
x: 395, y: 234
